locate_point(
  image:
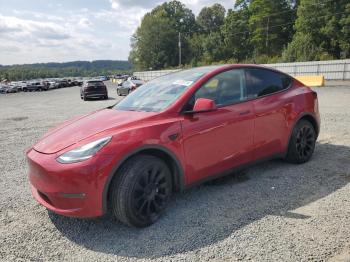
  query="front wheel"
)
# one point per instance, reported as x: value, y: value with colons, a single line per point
x: 302, y: 143
x: 140, y: 192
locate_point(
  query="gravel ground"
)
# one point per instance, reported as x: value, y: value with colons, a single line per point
x: 272, y: 212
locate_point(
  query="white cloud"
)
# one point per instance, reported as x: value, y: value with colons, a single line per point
x: 194, y: 5
x: 116, y: 4
x: 84, y: 22
x: 10, y: 25
x: 28, y: 41
x: 75, y: 32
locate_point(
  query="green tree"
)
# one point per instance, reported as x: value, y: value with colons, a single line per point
x: 155, y: 42
x: 344, y: 40
x: 214, y: 48
x: 301, y: 48
x: 326, y: 30
x: 236, y: 32
x: 271, y: 26
x: 210, y: 19
x: 197, y: 48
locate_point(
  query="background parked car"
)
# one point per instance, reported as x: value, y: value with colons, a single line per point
x: 35, y: 86
x: 133, y: 78
x: 12, y: 88
x: 103, y: 78
x: 53, y: 84
x: 21, y: 85
x: 120, y: 79
x: 3, y: 88
x: 129, y: 86
x: 64, y: 83
x: 93, y: 89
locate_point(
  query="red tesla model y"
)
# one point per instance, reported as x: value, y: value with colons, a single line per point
x: 173, y: 132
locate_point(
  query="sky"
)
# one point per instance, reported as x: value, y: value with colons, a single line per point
x: 35, y: 31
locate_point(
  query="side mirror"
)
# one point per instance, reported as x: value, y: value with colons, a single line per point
x: 204, y: 105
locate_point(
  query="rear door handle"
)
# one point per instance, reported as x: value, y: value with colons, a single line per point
x: 246, y: 112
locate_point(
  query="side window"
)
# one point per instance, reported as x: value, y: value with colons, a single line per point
x: 262, y: 82
x: 225, y: 88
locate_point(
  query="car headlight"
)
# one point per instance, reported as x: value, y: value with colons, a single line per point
x: 84, y: 152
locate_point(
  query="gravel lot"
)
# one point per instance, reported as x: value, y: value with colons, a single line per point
x: 272, y: 212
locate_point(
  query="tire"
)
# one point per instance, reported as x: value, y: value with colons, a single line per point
x: 118, y: 92
x: 84, y: 97
x: 140, y: 192
x: 302, y: 143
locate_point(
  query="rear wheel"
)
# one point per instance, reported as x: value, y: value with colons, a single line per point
x: 302, y: 143
x: 140, y: 193
x: 84, y: 97
x: 118, y: 92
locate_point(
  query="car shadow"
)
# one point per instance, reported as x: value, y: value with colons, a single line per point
x: 211, y: 212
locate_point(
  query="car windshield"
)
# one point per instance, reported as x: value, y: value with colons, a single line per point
x: 160, y: 93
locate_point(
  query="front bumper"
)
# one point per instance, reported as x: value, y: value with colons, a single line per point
x: 68, y: 189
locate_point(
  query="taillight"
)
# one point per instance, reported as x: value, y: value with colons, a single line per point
x: 133, y: 87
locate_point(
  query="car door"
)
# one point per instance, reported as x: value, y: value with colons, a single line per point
x: 222, y: 139
x: 272, y: 106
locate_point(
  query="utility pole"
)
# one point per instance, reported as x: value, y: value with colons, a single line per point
x: 267, y: 35
x: 179, y: 49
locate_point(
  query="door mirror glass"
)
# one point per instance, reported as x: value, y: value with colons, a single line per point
x: 204, y: 105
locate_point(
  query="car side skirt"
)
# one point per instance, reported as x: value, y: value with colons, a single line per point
x: 236, y: 169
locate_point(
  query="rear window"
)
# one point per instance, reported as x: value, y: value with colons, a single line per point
x: 95, y: 83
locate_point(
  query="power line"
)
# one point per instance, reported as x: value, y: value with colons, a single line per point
x: 293, y: 10
x: 279, y: 25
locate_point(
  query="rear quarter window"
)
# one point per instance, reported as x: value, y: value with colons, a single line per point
x: 262, y: 82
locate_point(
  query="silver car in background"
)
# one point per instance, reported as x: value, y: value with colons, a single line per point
x: 128, y: 86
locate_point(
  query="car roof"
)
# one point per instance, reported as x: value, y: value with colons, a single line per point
x: 214, y: 69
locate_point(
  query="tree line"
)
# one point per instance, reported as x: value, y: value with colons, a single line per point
x: 253, y: 31
x: 69, y: 69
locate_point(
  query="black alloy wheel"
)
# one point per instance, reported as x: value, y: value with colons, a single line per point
x: 305, y: 141
x: 302, y: 143
x: 150, y: 193
x: 139, y: 195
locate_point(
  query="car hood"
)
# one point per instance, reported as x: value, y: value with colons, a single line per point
x: 80, y: 128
